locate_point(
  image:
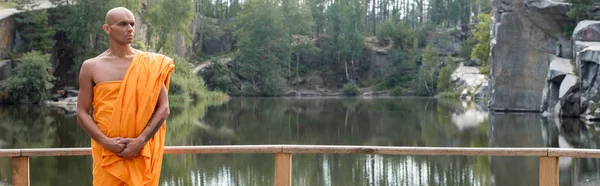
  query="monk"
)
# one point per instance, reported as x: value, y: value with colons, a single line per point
x: 128, y: 91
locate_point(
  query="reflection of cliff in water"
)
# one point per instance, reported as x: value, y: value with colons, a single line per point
x: 573, y: 133
x: 534, y: 130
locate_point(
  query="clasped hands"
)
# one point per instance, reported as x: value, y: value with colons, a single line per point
x: 124, y: 147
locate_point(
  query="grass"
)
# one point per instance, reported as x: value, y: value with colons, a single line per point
x: 8, y: 4
x: 454, y: 94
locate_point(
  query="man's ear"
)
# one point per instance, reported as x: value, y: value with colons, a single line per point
x: 106, y: 28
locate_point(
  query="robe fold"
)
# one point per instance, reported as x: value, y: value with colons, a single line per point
x: 123, y: 109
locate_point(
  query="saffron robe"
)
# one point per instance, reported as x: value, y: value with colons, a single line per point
x: 123, y: 109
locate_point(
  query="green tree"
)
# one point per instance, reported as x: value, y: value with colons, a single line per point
x: 166, y: 25
x: 443, y: 81
x: 32, y: 80
x: 346, y: 19
x: 36, y: 30
x: 428, y: 71
x: 581, y: 9
x: 481, y: 32
x: 263, y: 46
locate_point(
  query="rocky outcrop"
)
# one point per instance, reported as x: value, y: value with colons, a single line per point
x: 524, y: 38
x: 589, y: 61
x: 7, y: 35
x: 587, y: 30
x: 5, y: 69
x: 473, y: 62
x: 560, y: 78
x: 569, y: 104
x: 470, y: 80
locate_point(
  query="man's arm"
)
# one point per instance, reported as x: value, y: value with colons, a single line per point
x: 161, y: 112
x: 84, y: 103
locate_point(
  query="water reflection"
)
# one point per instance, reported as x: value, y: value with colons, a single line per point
x: 385, y: 121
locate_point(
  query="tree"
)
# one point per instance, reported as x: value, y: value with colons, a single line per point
x: 164, y: 26
x: 481, y: 32
x: 31, y: 82
x: 428, y: 71
x: 263, y: 46
x: 36, y: 30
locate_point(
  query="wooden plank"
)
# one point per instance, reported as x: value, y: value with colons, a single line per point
x: 20, y: 171
x: 283, y: 169
x: 325, y: 149
x: 10, y: 152
x: 56, y: 152
x: 223, y: 149
x: 571, y: 152
x: 549, y: 171
x: 439, y: 151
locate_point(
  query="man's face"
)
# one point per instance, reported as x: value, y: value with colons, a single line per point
x: 121, y: 28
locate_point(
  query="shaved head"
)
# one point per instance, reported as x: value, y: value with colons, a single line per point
x: 115, y: 14
x: 119, y: 24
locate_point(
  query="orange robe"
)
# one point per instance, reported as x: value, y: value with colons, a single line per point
x: 122, y: 109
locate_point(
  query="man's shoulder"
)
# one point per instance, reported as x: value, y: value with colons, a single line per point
x: 91, y: 61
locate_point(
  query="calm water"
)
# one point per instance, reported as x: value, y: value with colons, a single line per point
x: 385, y: 121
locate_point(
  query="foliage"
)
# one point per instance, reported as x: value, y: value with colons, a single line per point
x: 428, y: 71
x: 444, y: 76
x: 36, y: 30
x: 466, y: 47
x: 481, y: 32
x: 401, y: 71
x: 262, y: 50
x: 32, y: 80
x: 186, y: 86
x: 581, y: 9
x: 169, y: 24
x: 450, y: 94
x: 279, y: 43
x: 351, y: 89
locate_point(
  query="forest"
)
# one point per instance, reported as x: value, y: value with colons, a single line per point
x: 276, y: 46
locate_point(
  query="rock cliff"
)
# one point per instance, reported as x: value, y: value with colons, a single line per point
x: 525, y: 35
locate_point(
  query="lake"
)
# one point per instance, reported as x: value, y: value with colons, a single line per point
x: 425, y: 122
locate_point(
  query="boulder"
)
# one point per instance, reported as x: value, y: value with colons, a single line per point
x: 473, y: 62
x: 587, y: 30
x: 560, y: 70
x: 5, y: 69
x: 481, y: 92
x: 569, y: 103
x: 589, y: 61
x: 564, y: 48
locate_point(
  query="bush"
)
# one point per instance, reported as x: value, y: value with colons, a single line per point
x: 186, y: 86
x: 351, y: 89
x: 274, y: 85
x: 399, y: 91
x: 31, y: 82
x: 447, y: 94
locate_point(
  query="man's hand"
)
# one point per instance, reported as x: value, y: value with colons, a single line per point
x: 115, y: 145
x: 133, y: 147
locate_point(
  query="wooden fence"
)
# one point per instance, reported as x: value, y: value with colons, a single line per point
x: 549, y: 172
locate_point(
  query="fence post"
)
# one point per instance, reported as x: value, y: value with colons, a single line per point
x: 549, y: 171
x: 20, y: 166
x: 283, y: 169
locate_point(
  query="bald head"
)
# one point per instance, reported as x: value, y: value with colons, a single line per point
x: 120, y: 26
x: 116, y: 14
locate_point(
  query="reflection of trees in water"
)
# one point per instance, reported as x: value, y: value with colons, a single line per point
x: 402, y: 122
x: 44, y: 127
x: 405, y: 122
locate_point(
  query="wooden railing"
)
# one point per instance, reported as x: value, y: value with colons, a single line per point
x: 549, y: 173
